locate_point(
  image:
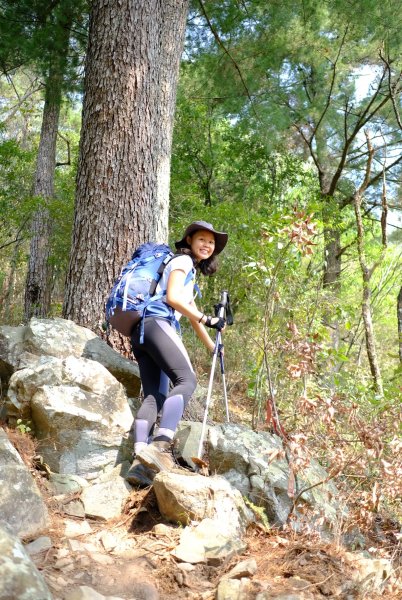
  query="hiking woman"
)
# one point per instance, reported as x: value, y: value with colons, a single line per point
x: 162, y: 357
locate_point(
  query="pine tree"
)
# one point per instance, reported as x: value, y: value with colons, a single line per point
x: 124, y: 166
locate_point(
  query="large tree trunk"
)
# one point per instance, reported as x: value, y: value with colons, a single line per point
x: 124, y: 166
x: 399, y: 313
x: 37, y: 287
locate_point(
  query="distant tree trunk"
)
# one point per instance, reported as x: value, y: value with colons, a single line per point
x: 37, y: 288
x: 399, y: 312
x: 332, y: 259
x: 124, y: 166
x: 38, y: 282
x: 366, y: 277
x: 7, y: 294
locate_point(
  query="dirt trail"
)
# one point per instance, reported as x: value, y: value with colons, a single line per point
x: 130, y: 558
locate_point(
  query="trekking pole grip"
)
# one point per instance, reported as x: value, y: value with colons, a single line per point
x: 221, y: 307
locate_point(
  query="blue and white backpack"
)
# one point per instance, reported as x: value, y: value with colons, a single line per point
x: 133, y: 296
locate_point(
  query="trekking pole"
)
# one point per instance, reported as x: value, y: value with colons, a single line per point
x: 220, y: 311
x: 225, y: 396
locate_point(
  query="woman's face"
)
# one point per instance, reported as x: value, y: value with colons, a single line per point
x: 202, y: 244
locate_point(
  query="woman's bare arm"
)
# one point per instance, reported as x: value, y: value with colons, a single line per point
x: 174, y: 299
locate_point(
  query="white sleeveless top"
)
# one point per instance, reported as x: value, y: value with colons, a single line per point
x: 183, y: 263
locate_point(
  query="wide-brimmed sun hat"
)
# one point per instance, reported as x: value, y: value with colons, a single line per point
x: 221, y: 238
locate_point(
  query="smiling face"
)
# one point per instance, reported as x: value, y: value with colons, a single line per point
x: 202, y: 244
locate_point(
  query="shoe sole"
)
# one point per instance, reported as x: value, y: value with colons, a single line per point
x: 148, y: 459
x: 138, y: 478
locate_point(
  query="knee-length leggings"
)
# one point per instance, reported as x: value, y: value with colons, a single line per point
x: 161, y: 357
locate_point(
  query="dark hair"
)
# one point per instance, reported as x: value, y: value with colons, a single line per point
x: 207, y: 266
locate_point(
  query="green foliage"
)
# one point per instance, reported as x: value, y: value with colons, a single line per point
x: 23, y: 427
x: 33, y: 32
x: 17, y: 166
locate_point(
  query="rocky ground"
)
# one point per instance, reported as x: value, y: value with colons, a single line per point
x: 129, y: 552
x: 130, y: 558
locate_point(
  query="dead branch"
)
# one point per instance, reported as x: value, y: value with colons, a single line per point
x: 61, y: 164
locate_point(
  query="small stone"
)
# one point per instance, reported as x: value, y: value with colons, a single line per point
x: 228, y: 589
x: 102, y: 559
x: 84, y: 561
x: 41, y: 544
x: 109, y: 541
x: 77, y: 546
x: 76, y: 528
x: 245, y: 568
x: 162, y: 529
x: 75, y: 508
x: 185, y: 566
x: 63, y: 562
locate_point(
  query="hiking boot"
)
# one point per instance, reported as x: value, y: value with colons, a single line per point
x: 158, y: 456
x: 139, y: 474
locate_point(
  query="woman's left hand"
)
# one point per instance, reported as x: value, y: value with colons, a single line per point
x: 218, y: 323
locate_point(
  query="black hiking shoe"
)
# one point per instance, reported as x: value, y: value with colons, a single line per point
x: 158, y: 456
x: 139, y: 474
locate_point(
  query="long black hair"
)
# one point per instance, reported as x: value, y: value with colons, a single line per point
x: 208, y: 266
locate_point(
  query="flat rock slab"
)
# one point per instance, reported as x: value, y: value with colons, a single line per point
x: 104, y: 500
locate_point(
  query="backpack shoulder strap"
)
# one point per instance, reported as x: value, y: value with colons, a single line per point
x: 159, y: 273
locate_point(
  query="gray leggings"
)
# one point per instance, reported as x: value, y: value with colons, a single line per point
x: 161, y: 357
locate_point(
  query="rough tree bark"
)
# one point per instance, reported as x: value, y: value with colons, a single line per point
x: 38, y: 282
x: 124, y: 166
x: 37, y: 287
x: 332, y: 259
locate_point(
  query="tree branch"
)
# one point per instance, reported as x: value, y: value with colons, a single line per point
x: 226, y: 51
x: 331, y: 87
x: 61, y: 164
x: 364, y: 117
x: 392, y: 87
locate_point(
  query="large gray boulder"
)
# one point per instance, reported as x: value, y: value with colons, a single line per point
x: 22, y: 509
x: 12, y: 355
x: 77, y: 409
x: 242, y: 456
x: 22, y: 346
x: 19, y: 578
